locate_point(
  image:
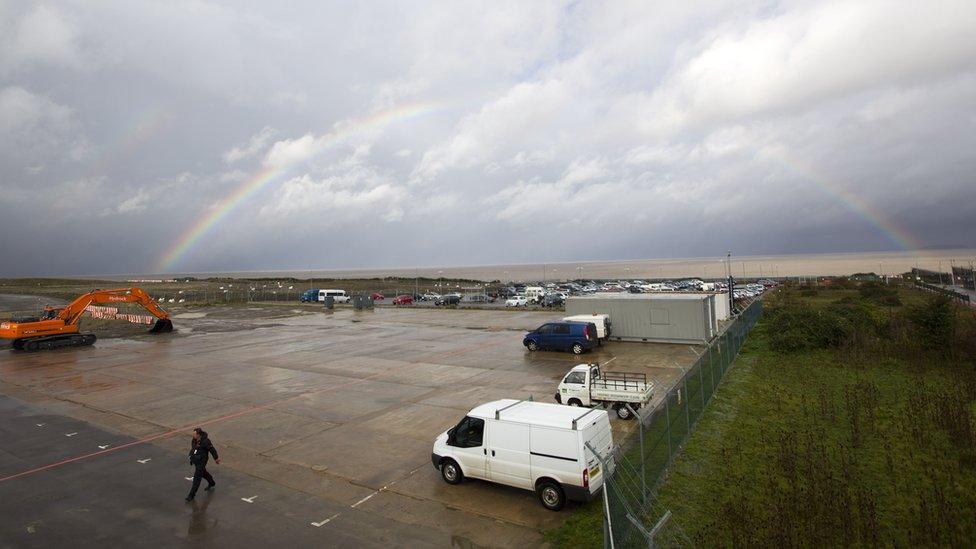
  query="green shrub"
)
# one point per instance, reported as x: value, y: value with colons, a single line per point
x: 879, y: 293
x: 935, y: 323
x: 794, y: 326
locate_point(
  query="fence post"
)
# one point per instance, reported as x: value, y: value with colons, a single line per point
x: 640, y: 429
x: 701, y: 384
x: 608, y: 534
x: 687, y: 407
x: 667, y: 422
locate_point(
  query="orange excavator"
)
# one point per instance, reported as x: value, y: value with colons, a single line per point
x: 59, y: 327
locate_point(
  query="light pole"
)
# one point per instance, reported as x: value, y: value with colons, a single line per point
x: 731, y: 284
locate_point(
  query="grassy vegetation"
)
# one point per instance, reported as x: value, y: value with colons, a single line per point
x: 848, y: 419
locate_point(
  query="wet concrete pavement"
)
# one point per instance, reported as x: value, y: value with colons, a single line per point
x: 321, y: 416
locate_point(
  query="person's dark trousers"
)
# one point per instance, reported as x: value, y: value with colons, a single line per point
x: 199, y: 473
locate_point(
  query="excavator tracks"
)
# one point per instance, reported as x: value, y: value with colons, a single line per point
x: 54, y: 342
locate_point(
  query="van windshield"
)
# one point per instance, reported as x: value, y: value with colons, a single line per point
x: 469, y: 433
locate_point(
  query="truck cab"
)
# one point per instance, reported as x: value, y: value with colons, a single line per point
x: 574, y: 390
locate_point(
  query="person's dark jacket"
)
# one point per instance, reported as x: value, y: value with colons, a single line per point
x: 200, y: 451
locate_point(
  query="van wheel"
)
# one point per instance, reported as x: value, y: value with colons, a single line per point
x: 624, y: 413
x: 574, y: 402
x: 533, y: 346
x: 451, y: 472
x: 551, y: 496
x: 577, y: 348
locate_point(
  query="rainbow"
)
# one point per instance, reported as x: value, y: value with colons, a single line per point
x: 853, y: 203
x: 139, y: 130
x: 220, y: 210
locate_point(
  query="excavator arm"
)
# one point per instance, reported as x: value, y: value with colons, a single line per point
x: 73, y: 312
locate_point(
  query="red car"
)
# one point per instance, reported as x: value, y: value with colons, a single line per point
x: 378, y: 296
x: 403, y: 300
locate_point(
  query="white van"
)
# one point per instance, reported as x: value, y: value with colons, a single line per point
x: 603, y: 326
x: 530, y: 445
x: 534, y: 293
x: 338, y: 295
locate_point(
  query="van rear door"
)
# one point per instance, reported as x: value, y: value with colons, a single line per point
x: 508, y: 454
x: 598, y: 433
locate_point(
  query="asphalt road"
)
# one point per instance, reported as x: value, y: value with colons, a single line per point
x: 60, y: 487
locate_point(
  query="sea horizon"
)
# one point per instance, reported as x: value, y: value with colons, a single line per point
x: 746, y: 266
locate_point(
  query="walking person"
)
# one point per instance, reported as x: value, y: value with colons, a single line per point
x: 200, y: 450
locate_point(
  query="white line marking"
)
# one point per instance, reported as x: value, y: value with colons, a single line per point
x: 104, y: 447
x: 324, y: 522
x: 71, y: 434
x: 609, y: 361
x: 249, y: 500
x: 407, y: 476
x: 354, y: 505
x: 188, y: 478
x: 41, y: 424
x: 144, y: 461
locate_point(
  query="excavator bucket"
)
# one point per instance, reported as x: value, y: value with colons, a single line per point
x: 161, y: 326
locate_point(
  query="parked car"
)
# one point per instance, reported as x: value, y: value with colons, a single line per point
x: 450, y: 299
x: 506, y: 291
x: 587, y: 385
x: 480, y: 298
x: 310, y: 295
x: 376, y: 296
x: 530, y: 445
x: 577, y: 337
x: 405, y: 299
x: 338, y: 296
x: 429, y: 296
x: 552, y: 300
x: 534, y: 293
x: 517, y: 301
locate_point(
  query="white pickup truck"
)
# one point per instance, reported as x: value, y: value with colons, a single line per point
x: 586, y: 385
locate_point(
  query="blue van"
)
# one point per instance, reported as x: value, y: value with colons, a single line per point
x: 577, y: 337
x: 310, y: 295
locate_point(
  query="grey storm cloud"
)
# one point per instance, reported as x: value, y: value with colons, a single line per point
x: 139, y: 137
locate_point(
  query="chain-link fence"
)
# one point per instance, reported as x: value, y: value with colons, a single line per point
x: 632, y: 516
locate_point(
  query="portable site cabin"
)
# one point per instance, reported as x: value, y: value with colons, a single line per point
x: 660, y: 318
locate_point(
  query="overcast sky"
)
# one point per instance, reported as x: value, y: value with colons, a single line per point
x: 433, y: 133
